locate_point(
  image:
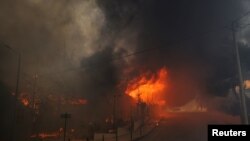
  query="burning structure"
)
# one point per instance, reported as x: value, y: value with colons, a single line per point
x: 149, y: 88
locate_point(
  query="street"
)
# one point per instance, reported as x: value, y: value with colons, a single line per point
x: 187, y: 126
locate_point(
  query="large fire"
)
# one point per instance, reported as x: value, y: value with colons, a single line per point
x: 149, y: 87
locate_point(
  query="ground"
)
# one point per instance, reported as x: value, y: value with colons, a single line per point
x: 188, y: 126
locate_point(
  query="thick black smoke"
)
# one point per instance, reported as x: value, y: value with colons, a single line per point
x: 191, y: 38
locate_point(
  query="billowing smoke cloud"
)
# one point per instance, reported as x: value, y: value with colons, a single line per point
x: 58, y: 32
x: 53, y: 38
x: 190, y: 38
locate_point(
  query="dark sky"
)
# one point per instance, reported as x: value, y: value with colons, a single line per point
x: 85, y: 48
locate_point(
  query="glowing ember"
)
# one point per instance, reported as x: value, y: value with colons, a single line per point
x: 79, y: 101
x: 46, y: 135
x: 25, y: 101
x: 149, y: 88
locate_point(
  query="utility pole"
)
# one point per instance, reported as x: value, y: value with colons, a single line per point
x: 131, y: 127
x: 65, y: 116
x: 34, y: 92
x: 140, y: 111
x: 34, y: 107
x: 114, y: 118
x: 244, y: 115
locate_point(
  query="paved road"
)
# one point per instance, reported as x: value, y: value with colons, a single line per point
x: 187, y: 126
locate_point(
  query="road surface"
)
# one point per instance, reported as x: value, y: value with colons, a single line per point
x: 188, y: 126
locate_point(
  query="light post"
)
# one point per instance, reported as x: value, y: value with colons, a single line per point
x: 244, y: 115
x: 114, y: 117
x: 65, y: 116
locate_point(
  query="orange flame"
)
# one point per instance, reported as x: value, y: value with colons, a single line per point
x: 247, y: 84
x: 46, y: 135
x: 25, y: 101
x: 79, y: 101
x: 149, y: 88
x: 54, y: 134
